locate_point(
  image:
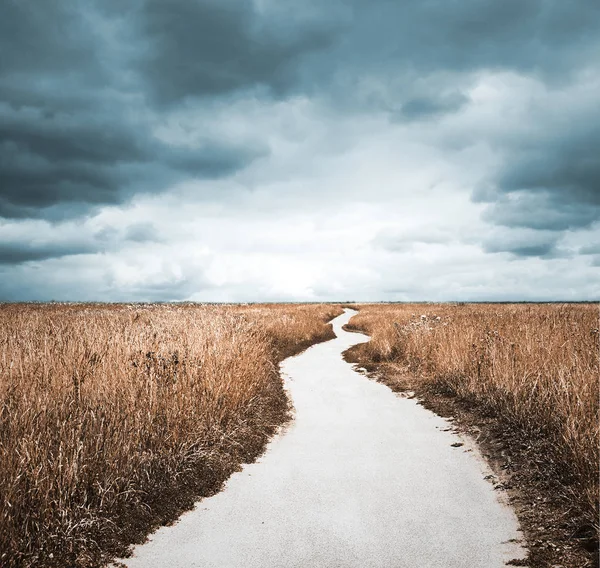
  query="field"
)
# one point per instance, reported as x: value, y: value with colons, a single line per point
x: 533, y: 367
x: 115, y: 418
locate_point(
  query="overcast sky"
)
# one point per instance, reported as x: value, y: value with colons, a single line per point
x: 230, y: 150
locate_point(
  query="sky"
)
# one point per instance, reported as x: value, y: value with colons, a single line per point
x: 299, y: 150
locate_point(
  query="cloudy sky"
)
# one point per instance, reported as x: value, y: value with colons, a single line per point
x: 238, y: 150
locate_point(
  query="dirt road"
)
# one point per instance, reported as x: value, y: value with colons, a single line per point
x: 362, y: 477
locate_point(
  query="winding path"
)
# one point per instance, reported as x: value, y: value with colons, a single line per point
x: 361, y: 478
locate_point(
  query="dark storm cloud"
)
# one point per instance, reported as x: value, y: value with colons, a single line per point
x: 525, y: 249
x: 201, y: 48
x: 569, y: 162
x: 550, y: 183
x: 204, y: 48
x: 188, y: 49
x: 395, y: 45
x: 543, y: 210
x: 524, y: 243
x: 46, y: 38
x: 80, y: 88
x: 73, y: 134
x: 537, y: 35
x: 590, y: 249
x: 26, y: 283
x: 19, y: 252
x: 42, y: 241
x: 87, y: 159
x: 429, y: 107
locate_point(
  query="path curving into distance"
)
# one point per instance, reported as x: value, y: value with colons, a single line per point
x: 361, y: 478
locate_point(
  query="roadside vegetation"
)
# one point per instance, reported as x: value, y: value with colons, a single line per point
x: 116, y: 418
x: 532, y: 369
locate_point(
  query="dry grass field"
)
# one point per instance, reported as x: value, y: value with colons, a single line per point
x: 114, y: 418
x: 535, y: 367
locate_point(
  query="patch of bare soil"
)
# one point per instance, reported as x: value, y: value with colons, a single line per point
x: 555, y: 534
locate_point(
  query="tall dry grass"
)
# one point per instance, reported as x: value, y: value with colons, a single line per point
x: 535, y: 366
x: 114, y: 418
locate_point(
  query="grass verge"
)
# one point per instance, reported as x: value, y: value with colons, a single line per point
x: 524, y: 379
x: 115, y: 418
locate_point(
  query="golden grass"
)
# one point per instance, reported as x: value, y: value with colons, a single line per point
x: 113, y: 418
x: 535, y: 366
